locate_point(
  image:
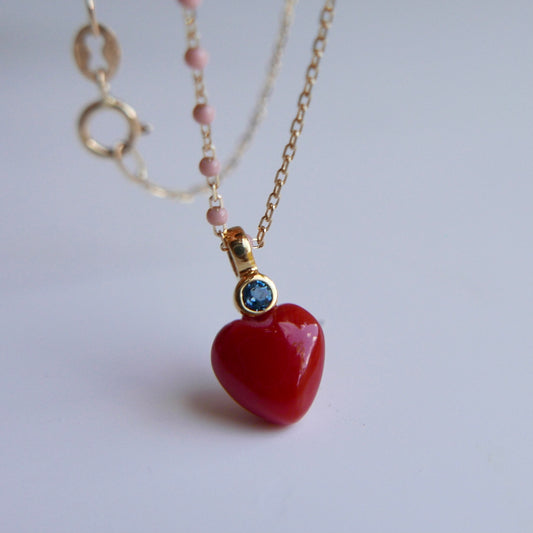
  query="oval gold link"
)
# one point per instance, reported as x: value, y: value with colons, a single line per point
x: 274, y: 203
x: 285, y: 168
x: 297, y: 125
x: 289, y: 151
x: 300, y: 114
x: 277, y: 188
x: 110, y: 52
x: 319, y: 46
x: 322, y: 32
x: 308, y: 87
x: 303, y: 102
x: 327, y: 15
x: 312, y: 73
x: 281, y: 174
x: 215, y: 200
x: 293, y: 139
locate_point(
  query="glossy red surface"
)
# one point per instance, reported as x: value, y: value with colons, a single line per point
x: 271, y: 364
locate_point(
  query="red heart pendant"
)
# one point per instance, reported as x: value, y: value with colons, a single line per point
x: 271, y: 364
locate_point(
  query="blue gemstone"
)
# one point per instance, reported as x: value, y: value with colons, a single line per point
x: 257, y: 295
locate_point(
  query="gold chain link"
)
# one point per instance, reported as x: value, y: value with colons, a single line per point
x: 311, y: 74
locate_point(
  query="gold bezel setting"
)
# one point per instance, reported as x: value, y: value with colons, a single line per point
x: 258, y: 299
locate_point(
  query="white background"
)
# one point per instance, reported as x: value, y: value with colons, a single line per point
x: 405, y: 227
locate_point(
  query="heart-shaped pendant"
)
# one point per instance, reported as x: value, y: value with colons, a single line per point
x: 271, y: 364
x: 271, y: 360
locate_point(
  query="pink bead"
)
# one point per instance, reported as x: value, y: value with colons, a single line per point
x: 203, y: 114
x: 217, y: 216
x: 190, y: 4
x: 209, y: 167
x: 196, y: 57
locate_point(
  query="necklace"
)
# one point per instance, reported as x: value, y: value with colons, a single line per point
x: 270, y: 360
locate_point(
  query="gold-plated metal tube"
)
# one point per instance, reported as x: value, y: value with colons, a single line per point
x: 255, y: 294
x: 240, y: 252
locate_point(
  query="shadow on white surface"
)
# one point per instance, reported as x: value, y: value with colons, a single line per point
x: 215, y: 407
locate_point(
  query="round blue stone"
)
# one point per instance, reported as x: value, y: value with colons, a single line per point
x: 257, y: 295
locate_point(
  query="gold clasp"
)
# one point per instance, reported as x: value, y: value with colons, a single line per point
x: 111, y: 58
x: 135, y: 128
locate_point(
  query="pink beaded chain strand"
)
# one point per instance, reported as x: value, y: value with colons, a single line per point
x: 203, y: 113
x: 197, y: 58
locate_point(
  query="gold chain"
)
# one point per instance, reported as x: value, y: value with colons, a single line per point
x: 139, y: 174
x: 311, y: 74
x: 111, y: 54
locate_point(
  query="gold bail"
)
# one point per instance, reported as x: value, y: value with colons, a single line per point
x: 255, y: 293
x: 240, y: 252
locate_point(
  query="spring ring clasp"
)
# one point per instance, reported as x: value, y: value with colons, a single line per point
x: 135, y: 128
